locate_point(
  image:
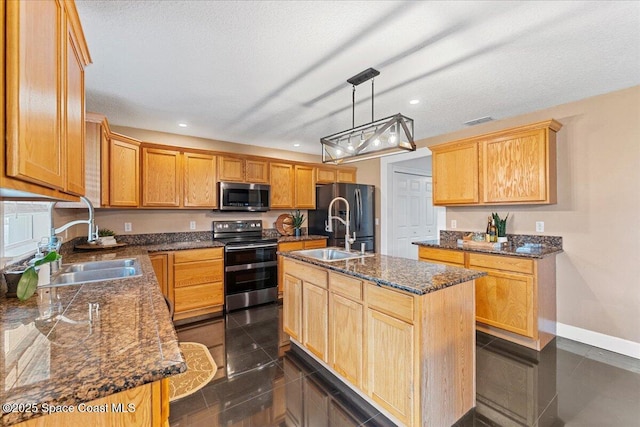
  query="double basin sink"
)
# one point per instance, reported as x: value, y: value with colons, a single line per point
x: 96, y: 271
x: 331, y: 254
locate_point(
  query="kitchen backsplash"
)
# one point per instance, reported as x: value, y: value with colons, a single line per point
x: 514, y: 239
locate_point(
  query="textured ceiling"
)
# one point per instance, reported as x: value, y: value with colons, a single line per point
x: 273, y: 73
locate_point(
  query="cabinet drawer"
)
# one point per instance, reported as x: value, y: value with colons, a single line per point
x: 290, y: 246
x: 444, y: 255
x: 517, y: 265
x: 197, y: 255
x: 390, y: 302
x: 196, y: 273
x: 307, y: 273
x: 345, y: 285
x: 313, y: 244
x: 198, y: 296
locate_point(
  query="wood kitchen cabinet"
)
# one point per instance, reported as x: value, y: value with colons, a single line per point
x: 295, y: 246
x: 243, y: 170
x: 305, y: 187
x: 516, y: 301
x: 292, y: 307
x: 327, y: 174
x: 199, y: 180
x: 282, y: 185
x: 124, y: 171
x: 197, y: 285
x: 160, y: 264
x: 161, y: 177
x: 346, y: 327
x: 45, y: 59
x: 315, y: 306
x: 513, y: 166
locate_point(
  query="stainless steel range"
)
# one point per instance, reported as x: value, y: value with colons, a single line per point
x: 250, y: 263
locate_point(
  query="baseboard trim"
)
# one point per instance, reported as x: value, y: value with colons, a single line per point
x: 596, y: 339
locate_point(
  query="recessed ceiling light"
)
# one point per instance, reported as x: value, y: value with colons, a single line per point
x: 296, y: 145
x: 182, y: 125
x: 414, y: 101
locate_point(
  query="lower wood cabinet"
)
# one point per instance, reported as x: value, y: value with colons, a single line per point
x: 193, y: 280
x: 143, y: 406
x: 516, y: 301
x: 412, y: 355
x: 295, y: 246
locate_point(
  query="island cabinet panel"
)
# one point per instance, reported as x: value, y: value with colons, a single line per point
x: 292, y: 307
x: 196, y: 284
x: 295, y: 246
x: 124, y: 171
x: 161, y: 178
x: 199, y: 180
x: 315, y: 329
x: 455, y: 174
x: 346, y: 338
x: 390, y: 368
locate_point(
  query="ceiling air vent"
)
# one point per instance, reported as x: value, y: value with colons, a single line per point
x: 478, y: 121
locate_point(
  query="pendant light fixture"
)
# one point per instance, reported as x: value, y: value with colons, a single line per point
x: 383, y: 137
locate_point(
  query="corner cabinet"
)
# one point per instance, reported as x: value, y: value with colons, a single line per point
x: 514, y: 166
x: 44, y: 102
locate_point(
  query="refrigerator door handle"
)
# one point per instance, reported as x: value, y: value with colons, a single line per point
x: 358, y: 208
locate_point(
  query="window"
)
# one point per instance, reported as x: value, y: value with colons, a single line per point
x: 25, y: 223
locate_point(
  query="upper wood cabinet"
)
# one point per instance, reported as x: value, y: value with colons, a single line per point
x: 243, y: 170
x: 161, y: 177
x: 199, y: 180
x: 326, y: 174
x: 124, y: 171
x: 305, y: 187
x: 514, y: 166
x: 45, y: 58
x: 282, y: 185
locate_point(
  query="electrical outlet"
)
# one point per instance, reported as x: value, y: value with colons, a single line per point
x: 540, y: 226
x: 454, y: 223
x: 127, y: 227
x: 192, y: 225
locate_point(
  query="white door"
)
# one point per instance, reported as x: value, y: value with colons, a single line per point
x: 414, y: 216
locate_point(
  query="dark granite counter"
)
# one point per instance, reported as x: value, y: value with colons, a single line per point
x: 416, y: 277
x: 283, y: 239
x: 508, y: 249
x: 180, y: 246
x: 54, y: 350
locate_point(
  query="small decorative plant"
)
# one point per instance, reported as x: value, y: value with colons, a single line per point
x: 29, y: 280
x: 104, y: 232
x: 297, y: 219
x: 501, y: 224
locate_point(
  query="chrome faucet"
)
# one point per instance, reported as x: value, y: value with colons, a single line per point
x: 92, y: 234
x: 328, y: 224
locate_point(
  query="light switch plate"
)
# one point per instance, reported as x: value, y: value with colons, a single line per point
x: 127, y: 226
x: 540, y: 226
x: 192, y: 225
x: 454, y: 223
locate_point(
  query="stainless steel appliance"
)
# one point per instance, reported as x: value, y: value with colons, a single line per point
x: 238, y: 196
x: 361, y: 200
x: 250, y: 263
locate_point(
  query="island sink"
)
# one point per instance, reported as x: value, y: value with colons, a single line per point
x: 331, y: 254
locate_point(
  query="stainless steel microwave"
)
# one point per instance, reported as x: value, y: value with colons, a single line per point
x: 237, y: 196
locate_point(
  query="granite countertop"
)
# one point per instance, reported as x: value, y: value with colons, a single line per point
x: 416, y: 277
x: 180, y: 246
x: 68, y: 359
x: 283, y: 239
x: 506, y: 249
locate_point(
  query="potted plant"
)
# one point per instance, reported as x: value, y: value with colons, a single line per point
x: 29, y: 280
x: 297, y: 221
x: 501, y: 226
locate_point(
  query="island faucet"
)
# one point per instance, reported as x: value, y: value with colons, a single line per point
x: 328, y: 224
x: 92, y: 234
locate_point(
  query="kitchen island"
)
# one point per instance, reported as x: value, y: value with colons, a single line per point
x: 102, y: 350
x: 398, y: 332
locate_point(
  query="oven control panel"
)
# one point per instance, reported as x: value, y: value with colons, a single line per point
x: 237, y: 226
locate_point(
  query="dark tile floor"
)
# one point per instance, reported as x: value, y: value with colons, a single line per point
x: 260, y: 383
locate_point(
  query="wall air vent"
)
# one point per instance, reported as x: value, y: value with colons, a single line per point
x: 479, y: 120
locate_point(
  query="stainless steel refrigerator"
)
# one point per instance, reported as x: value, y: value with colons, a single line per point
x: 361, y: 200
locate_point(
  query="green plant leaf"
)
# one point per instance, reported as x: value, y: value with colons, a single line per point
x: 28, y: 283
x: 51, y: 256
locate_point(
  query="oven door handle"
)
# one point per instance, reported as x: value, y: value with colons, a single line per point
x: 242, y: 248
x: 253, y: 266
